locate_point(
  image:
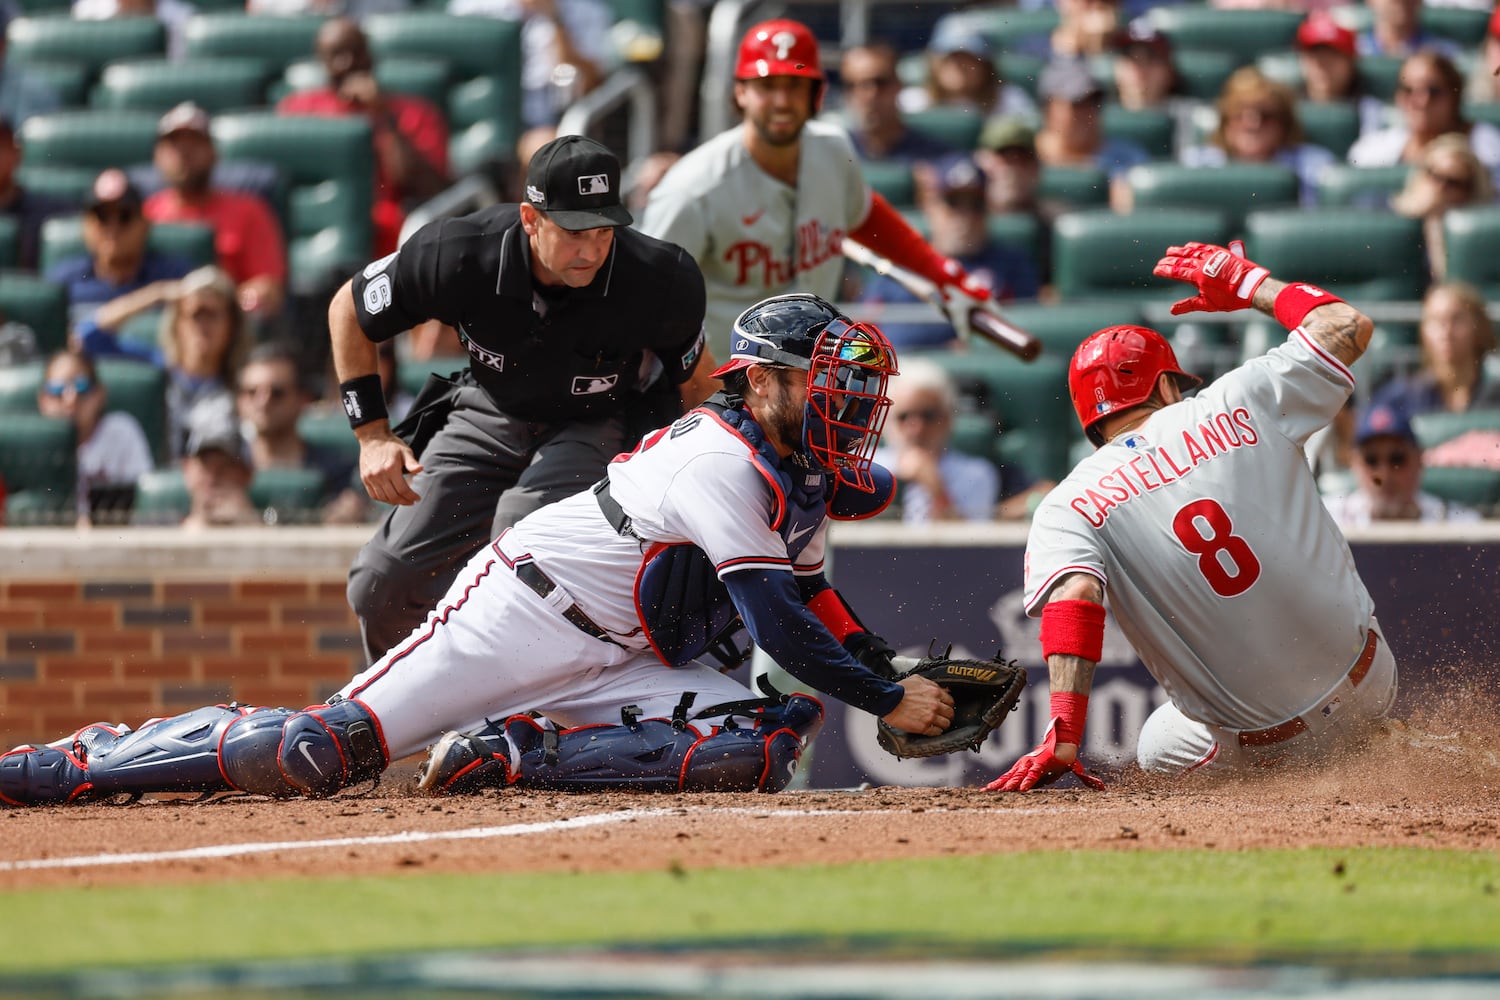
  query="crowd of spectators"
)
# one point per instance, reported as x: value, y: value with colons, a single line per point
x: 242, y: 356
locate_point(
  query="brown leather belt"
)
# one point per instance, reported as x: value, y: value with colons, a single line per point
x: 1284, y: 731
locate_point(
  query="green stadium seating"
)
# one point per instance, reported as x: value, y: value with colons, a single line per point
x: 329, y: 429
x: 892, y: 179
x: 1361, y: 256
x: 482, y: 143
x: 329, y: 169
x: 1342, y: 185
x: 90, y: 44
x: 1472, y: 487
x: 1242, y: 33
x: 1472, y: 239
x: 1002, y: 26
x: 41, y: 305
x: 1022, y: 70
x: 1329, y: 124
x: 38, y: 461
x: 1016, y: 229
x: 293, y: 494
x: 62, y: 237
x: 1100, y: 255
x: 651, y: 17
x: 161, y: 497
x: 1488, y: 112
x: 956, y: 126
x: 413, y: 75
x: 1377, y: 74
x: 1203, y: 71
x: 414, y: 373
x: 1061, y: 327
x: 89, y: 138
x: 223, y: 83
x: 143, y: 330
x: 1465, y: 25
x: 67, y: 184
x: 1283, y: 67
x: 275, y: 41
x: 19, y: 384
x: 1077, y: 187
x: 69, y: 80
x: 1392, y: 351
x: 139, y: 389
x: 1438, y: 426
x: 10, y: 229
x: 1234, y: 189
x: 1153, y: 129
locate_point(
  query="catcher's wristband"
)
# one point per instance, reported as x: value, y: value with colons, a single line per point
x: 1069, y: 712
x: 1294, y: 302
x: 363, y: 399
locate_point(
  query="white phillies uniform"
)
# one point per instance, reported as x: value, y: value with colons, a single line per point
x: 752, y: 235
x: 1220, y: 563
x: 493, y: 647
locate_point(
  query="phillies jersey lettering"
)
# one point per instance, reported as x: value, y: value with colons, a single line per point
x: 756, y: 263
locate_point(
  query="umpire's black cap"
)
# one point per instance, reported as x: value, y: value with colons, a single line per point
x: 576, y: 181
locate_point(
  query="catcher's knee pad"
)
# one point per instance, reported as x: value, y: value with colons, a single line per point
x: 45, y: 775
x: 327, y: 747
x: 459, y: 763
x: 250, y: 753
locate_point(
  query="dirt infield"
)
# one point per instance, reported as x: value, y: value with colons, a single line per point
x: 1403, y: 792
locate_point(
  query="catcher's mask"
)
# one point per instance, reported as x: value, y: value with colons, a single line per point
x: 1116, y: 369
x: 848, y: 367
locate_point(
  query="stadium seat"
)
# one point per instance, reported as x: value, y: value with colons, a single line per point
x: 329, y: 168
x: 1467, y: 485
x: 223, y: 83
x: 275, y: 41
x: 40, y: 304
x: 143, y: 330
x: 413, y: 75
x: 482, y: 143
x: 1017, y: 230
x: 650, y: 19
x: 1464, y: 25
x: 1472, y: 239
x: 1203, y: 72
x: 1329, y: 124
x: 1343, y: 185
x: 38, y: 461
x: 1488, y: 112
x: 1283, y: 67
x: 19, y: 384
x: 1100, y: 255
x: 329, y: 429
x: 293, y: 494
x: 10, y: 229
x: 89, y: 138
x: 69, y: 80
x: 1244, y: 34
x: 1022, y: 70
x: 1234, y: 189
x: 1153, y: 129
x: 892, y: 179
x: 62, y: 237
x: 161, y: 497
x: 1438, y: 426
x: 1361, y: 256
x: 955, y: 126
x: 70, y: 185
x: 1077, y: 187
x: 139, y: 389
x: 1063, y: 326
x: 1004, y: 26
x: 90, y: 44
x: 1377, y: 75
x: 414, y: 373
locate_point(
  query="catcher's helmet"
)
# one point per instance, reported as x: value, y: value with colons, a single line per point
x: 848, y: 367
x: 1117, y: 368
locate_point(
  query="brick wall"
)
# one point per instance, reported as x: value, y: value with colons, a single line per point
x: 125, y: 629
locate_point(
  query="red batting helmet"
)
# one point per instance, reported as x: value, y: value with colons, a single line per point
x: 1116, y: 369
x: 778, y: 48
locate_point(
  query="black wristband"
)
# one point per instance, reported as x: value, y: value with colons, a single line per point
x: 363, y: 399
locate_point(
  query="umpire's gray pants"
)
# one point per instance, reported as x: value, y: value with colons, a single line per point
x: 482, y: 472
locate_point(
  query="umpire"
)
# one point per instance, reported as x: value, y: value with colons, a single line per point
x: 582, y: 334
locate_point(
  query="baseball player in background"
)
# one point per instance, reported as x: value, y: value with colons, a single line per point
x: 582, y: 334
x: 1200, y: 522
x: 764, y: 206
x: 594, y: 611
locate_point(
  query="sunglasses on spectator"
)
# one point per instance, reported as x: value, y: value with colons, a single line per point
x: 926, y: 416
x: 1457, y: 183
x: 115, y: 216
x: 1396, y: 458
x: 1430, y: 90
x: 276, y: 393
x: 80, y: 384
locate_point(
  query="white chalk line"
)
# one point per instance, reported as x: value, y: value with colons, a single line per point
x: 421, y: 837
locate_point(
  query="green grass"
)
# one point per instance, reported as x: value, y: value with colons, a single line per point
x: 1243, y: 905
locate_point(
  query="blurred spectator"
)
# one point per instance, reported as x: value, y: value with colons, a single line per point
x: 173, y: 15
x: 1144, y: 74
x: 30, y: 208
x: 1086, y: 28
x: 1258, y: 124
x: 216, y: 469
x: 1429, y: 92
x: 871, y: 90
x: 119, y: 275
x: 112, y: 448
x: 357, y: 9
x: 938, y: 483
x: 1072, y: 134
x: 1387, y: 466
x: 565, y: 49
x: 1450, y: 177
x: 962, y: 72
x: 645, y: 174
x: 1327, y: 56
x: 271, y: 401
x: 1329, y: 449
x: 1396, y: 30
x: 397, y: 400
x: 531, y: 140
x: 950, y: 193
x: 1013, y: 177
x: 410, y: 134
x: 1484, y: 78
x: 22, y: 94
x: 1456, y: 334
x: 247, y: 237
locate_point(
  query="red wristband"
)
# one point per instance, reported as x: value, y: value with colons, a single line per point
x: 1069, y: 711
x: 1073, y: 628
x: 1294, y: 302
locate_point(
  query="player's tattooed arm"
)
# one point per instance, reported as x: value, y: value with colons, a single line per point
x: 1337, y: 327
x: 1066, y: 672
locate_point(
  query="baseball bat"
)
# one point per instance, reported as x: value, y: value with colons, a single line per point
x: 982, y: 318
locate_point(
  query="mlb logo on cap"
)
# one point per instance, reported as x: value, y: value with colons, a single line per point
x: 576, y: 182
x: 594, y: 184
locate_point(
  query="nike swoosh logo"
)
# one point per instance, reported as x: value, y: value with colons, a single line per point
x: 302, y: 748
x: 751, y: 219
x: 794, y: 536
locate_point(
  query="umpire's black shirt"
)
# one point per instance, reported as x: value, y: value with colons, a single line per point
x: 544, y: 354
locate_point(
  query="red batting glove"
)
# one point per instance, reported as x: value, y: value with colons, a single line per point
x: 1226, y: 281
x: 1041, y: 767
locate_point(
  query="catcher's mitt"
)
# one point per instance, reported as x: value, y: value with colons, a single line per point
x: 984, y: 692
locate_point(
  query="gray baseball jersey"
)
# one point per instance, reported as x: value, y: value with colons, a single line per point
x: 1220, y: 563
x: 752, y: 235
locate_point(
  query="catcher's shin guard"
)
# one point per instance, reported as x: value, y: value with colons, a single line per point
x: 180, y: 754
x: 328, y: 747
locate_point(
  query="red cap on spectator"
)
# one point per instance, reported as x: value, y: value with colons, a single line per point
x: 1495, y: 23
x: 1321, y: 29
